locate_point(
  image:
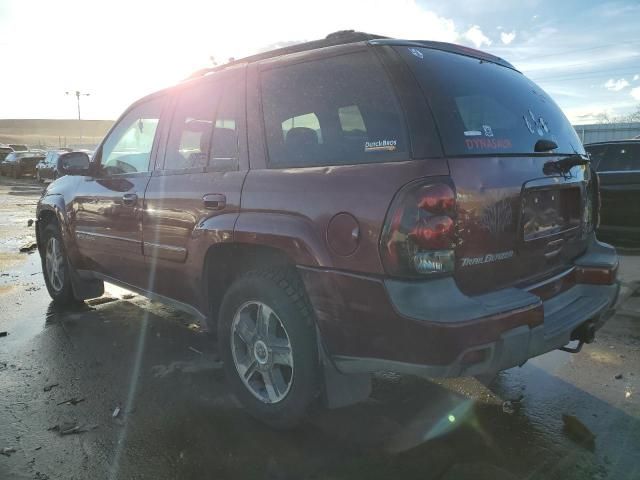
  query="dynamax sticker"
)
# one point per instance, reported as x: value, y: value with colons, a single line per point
x: 488, y: 258
x: 380, y: 146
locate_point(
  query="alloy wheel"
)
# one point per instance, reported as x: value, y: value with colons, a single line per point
x: 262, y: 352
x: 54, y: 264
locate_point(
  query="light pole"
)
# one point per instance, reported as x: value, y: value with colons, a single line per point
x: 78, y: 94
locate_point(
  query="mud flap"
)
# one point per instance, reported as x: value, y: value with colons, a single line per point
x: 341, y: 390
x: 85, y: 288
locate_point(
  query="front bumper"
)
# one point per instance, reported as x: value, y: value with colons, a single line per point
x: 432, y: 329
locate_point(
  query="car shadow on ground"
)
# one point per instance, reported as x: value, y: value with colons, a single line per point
x: 153, y: 395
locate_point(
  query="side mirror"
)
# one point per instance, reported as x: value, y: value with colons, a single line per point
x: 74, y: 163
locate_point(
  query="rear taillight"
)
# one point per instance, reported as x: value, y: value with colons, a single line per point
x: 418, y: 238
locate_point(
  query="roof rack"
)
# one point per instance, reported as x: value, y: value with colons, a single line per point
x: 341, y: 37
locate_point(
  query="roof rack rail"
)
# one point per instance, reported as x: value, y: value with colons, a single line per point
x: 341, y: 37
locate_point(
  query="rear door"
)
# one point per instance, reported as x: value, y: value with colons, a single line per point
x: 619, y: 172
x: 196, y: 185
x: 517, y: 220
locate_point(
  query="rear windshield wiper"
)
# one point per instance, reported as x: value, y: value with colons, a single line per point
x: 565, y: 164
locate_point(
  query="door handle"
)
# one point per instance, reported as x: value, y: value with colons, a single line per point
x: 129, y: 199
x: 214, y: 201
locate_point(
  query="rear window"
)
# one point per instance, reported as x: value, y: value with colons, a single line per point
x: 483, y: 108
x: 333, y: 111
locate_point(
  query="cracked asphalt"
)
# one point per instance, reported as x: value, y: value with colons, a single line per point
x: 125, y: 388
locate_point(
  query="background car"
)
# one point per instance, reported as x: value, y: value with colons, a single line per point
x: 18, y: 147
x: 48, y: 167
x: 18, y: 164
x: 4, y: 151
x: 618, y: 167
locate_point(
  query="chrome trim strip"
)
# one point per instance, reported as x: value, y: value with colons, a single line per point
x: 102, y: 235
x: 165, y: 247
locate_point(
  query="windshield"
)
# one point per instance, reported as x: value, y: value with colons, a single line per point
x: 484, y: 108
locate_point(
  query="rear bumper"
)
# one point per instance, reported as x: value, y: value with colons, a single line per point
x: 432, y: 329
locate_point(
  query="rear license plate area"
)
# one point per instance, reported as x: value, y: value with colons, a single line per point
x: 550, y: 211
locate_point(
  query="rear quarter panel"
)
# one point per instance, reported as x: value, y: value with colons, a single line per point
x: 290, y: 209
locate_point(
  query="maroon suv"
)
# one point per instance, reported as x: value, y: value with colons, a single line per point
x: 339, y: 208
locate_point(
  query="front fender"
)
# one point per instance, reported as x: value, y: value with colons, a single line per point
x: 55, y: 204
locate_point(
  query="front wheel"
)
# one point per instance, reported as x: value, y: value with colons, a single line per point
x: 55, y: 267
x: 267, y: 340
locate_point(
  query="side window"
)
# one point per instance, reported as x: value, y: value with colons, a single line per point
x: 620, y: 158
x: 203, y: 130
x: 128, y: 147
x: 224, y: 144
x: 191, y: 128
x: 332, y: 111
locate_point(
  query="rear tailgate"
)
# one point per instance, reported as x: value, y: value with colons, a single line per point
x: 517, y: 221
x: 514, y: 224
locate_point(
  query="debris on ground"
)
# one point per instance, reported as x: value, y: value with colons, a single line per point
x: 618, y: 376
x: 116, y: 412
x: 71, y: 428
x: 128, y: 296
x: 72, y: 401
x: 100, y: 300
x: 4, y: 334
x: 7, y: 451
x: 195, y: 350
x: 28, y: 247
x: 49, y: 387
x: 29, y: 222
x: 577, y: 431
x: 507, y: 407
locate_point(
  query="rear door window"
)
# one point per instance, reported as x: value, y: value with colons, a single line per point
x: 191, y: 128
x: 204, y: 129
x: 332, y: 111
x: 620, y: 158
x: 484, y: 108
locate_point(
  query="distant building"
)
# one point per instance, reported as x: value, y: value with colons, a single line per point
x: 603, y: 132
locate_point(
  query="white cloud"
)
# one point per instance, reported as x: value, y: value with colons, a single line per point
x: 475, y: 36
x: 507, y: 37
x: 635, y: 93
x: 636, y: 77
x: 616, y: 85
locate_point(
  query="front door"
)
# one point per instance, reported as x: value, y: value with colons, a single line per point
x: 108, y: 205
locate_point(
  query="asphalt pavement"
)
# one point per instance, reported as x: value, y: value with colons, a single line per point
x: 126, y: 388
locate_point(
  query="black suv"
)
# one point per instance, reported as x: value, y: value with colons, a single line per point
x: 618, y: 167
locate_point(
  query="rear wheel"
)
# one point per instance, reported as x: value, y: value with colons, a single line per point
x: 55, y: 267
x: 267, y: 340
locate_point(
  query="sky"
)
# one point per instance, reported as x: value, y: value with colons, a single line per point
x: 584, y: 53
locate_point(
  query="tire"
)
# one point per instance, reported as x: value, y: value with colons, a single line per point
x: 277, y: 293
x: 59, y: 282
